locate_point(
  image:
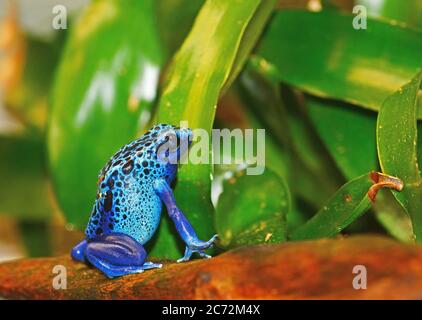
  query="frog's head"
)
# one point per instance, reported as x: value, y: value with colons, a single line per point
x: 173, y: 142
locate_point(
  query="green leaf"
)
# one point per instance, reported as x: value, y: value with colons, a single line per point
x: 349, y: 133
x: 408, y: 12
x: 105, y: 84
x: 397, y: 147
x: 393, y: 216
x: 322, y: 54
x: 23, y: 187
x: 252, y: 209
x: 193, y: 85
x: 346, y: 205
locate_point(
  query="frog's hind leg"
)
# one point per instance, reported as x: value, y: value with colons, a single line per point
x: 118, y: 255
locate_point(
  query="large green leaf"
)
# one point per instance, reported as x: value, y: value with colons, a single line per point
x: 106, y: 82
x: 252, y: 209
x: 193, y: 85
x: 322, y: 54
x: 397, y: 147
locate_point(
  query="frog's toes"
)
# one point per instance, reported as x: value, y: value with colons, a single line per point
x: 152, y: 265
x: 183, y: 259
x: 202, y: 245
x: 213, y: 239
x: 204, y: 255
x: 190, y: 251
x: 186, y: 257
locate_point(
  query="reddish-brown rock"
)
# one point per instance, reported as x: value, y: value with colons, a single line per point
x: 296, y: 270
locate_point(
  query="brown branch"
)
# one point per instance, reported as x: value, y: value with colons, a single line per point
x: 307, y: 270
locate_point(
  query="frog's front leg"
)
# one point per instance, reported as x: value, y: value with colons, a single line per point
x: 183, y: 227
x: 114, y: 254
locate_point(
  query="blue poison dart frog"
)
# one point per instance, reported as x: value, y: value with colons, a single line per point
x: 126, y: 213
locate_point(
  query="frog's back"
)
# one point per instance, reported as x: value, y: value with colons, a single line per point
x: 126, y: 200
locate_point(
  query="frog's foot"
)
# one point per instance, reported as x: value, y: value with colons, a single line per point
x: 199, y: 247
x: 189, y: 252
x: 117, y: 255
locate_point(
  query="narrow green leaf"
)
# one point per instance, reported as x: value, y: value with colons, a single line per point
x: 351, y: 201
x: 252, y: 209
x: 193, y: 85
x: 347, y: 204
x: 106, y: 82
x: 322, y: 54
x: 397, y: 147
x: 250, y: 37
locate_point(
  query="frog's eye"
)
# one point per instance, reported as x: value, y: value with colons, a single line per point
x: 174, y: 141
x: 167, y: 150
x: 178, y: 141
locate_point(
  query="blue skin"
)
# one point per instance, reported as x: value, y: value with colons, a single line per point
x: 132, y: 188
